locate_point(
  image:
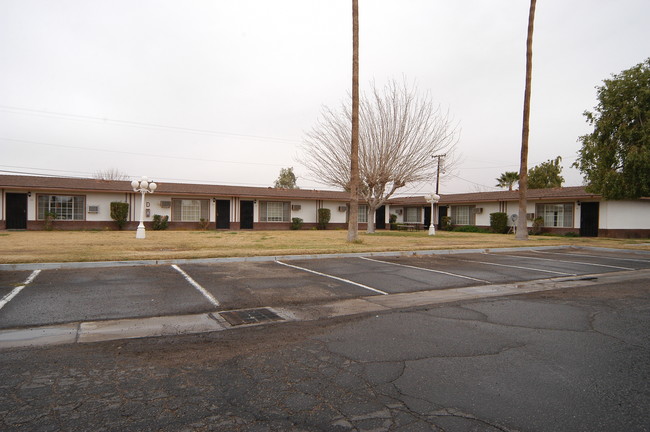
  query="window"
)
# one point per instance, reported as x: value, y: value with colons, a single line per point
x: 462, y: 215
x: 556, y: 215
x: 275, y: 211
x: 65, y: 207
x: 412, y: 214
x: 363, y: 214
x: 186, y: 210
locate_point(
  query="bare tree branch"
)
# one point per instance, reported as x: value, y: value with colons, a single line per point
x: 399, y: 132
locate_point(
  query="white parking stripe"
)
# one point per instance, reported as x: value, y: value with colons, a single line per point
x: 14, y: 292
x: 592, y: 256
x: 517, y: 267
x: 567, y: 262
x: 426, y: 269
x: 333, y: 277
x: 192, y: 282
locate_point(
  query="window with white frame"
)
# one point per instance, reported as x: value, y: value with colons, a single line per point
x: 556, y: 215
x: 189, y: 210
x: 275, y: 211
x: 462, y: 215
x: 412, y: 215
x: 363, y: 214
x: 64, y: 207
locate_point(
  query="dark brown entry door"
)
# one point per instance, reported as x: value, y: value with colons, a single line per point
x: 589, y: 219
x: 223, y: 214
x: 16, y: 211
x: 246, y: 212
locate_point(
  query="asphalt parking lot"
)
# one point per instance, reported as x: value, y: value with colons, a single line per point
x: 38, y: 297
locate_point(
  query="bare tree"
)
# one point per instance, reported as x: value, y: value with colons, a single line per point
x: 110, y: 174
x: 399, y: 132
x: 522, y: 227
x: 353, y: 184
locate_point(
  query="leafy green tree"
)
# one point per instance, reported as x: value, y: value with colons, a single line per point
x: 615, y: 157
x: 286, y: 179
x: 546, y: 174
x: 507, y: 179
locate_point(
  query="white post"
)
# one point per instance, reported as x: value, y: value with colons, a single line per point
x: 433, y: 198
x: 144, y: 186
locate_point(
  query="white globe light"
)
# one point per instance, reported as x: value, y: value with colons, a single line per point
x: 144, y: 184
x: 152, y: 186
x: 135, y: 184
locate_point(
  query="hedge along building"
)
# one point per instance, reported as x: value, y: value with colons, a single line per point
x: 85, y: 204
x: 563, y: 210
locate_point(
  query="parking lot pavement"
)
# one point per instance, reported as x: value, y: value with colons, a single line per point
x: 87, y: 293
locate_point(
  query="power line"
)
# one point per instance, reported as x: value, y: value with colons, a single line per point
x: 105, y: 120
x: 137, y: 153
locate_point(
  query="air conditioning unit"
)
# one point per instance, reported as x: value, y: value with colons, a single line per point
x: 295, y: 207
x: 478, y: 210
x: 530, y: 216
x: 343, y: 208
x: 93, y: 209
x: 165, y: 204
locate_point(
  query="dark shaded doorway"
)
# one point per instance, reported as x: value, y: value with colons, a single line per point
x: 442, y: 212
x: 16, y: 211
x: 223, y: 214
x: 246, y: 214
x: 589, y: 219
x: 427, y: 217
x: 380, y: 218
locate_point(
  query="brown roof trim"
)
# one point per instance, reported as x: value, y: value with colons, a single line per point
x: 112, y: 186
x: 565, y: 193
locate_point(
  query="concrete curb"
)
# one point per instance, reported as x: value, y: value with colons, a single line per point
x: 101, y: 264
x: 100, y: 331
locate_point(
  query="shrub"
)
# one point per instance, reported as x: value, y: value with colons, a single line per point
x: 296, y: 223
x: 160, y: 222
x: 324, y: 215
x: 204, y: 224
x: 538, y: 223
x: 470, y: 229
x: 49, y: 220
x: 445, y: 223
x: 119, y: 213
x: 392, y: 220
x: 499, y: 222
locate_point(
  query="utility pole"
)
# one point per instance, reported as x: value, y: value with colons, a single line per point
x: 439, y: 157
x: 434, y: 202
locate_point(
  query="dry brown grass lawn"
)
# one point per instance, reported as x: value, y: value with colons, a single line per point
x: 66, y: 246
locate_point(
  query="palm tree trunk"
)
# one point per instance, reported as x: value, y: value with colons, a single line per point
x: 353, y: 226
x: 522, y: 226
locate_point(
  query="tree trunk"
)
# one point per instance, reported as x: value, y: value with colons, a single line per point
x: 522, y: 225
x: 353, y: 225
x: 370, y: 229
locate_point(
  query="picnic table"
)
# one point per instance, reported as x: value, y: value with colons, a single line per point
x: 406, y: 227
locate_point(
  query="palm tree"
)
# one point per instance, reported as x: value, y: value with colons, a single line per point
x: 522, y: 227
x: 353, y: 226
x: 507, y: 179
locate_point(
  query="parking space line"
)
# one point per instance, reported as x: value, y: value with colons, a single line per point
x: 426, y: 269
x: 570, y: 262
x: 593, y: 256
x: 14, y: 292
x: 333, y: 277
x: 517, y: 267
x: 195, y: 284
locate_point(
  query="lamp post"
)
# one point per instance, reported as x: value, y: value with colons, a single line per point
x: 144, y: 186
x: 433, y: 199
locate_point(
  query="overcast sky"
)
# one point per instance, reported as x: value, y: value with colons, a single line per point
x: 218, y: 91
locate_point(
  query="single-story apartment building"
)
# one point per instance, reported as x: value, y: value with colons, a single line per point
x: 82, y: 203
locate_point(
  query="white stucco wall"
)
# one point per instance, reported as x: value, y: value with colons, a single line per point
x: 624, y: 214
